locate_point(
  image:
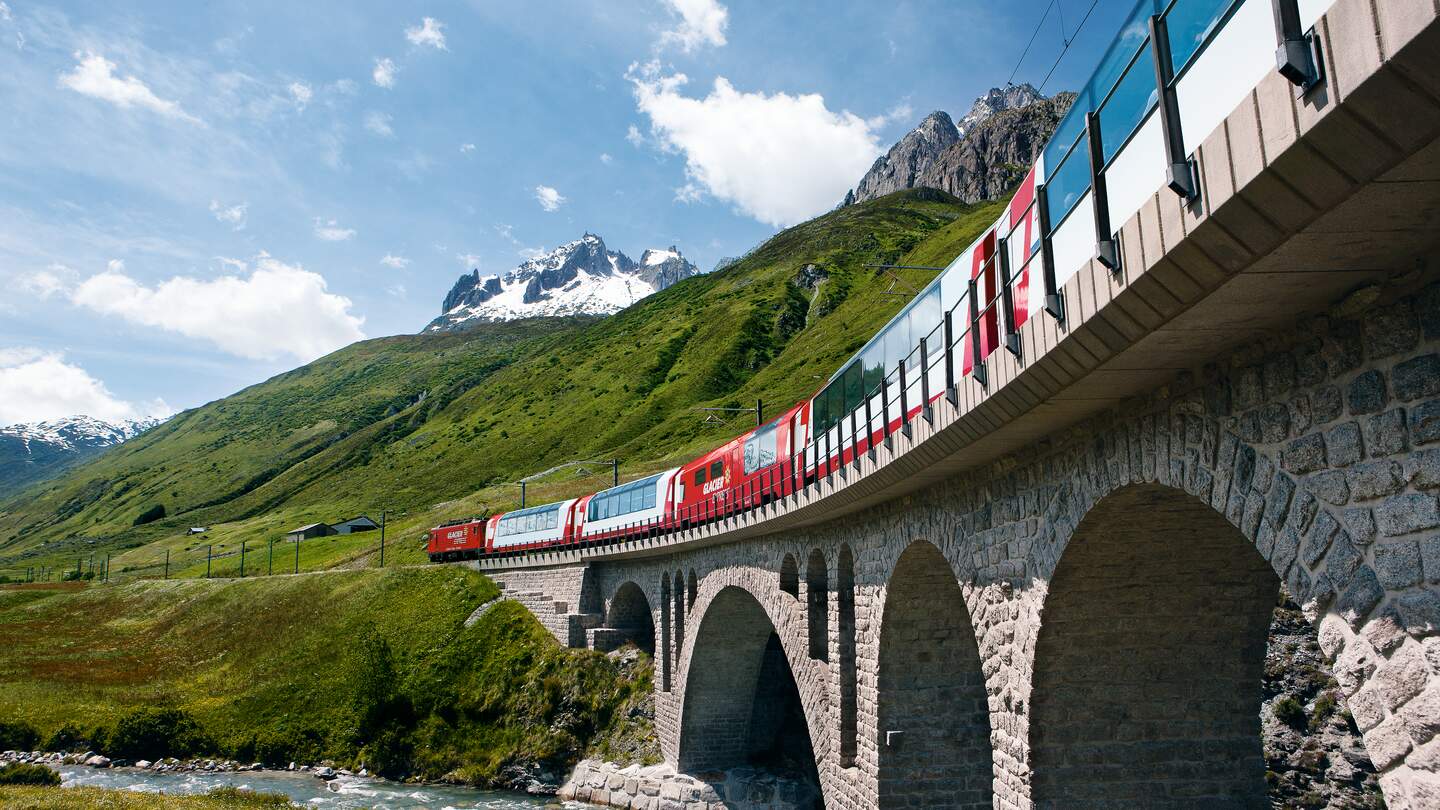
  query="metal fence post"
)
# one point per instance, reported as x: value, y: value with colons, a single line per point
x: 976, y: 361
x: 904, y: 401
x: 270, y: 559
x: 242, y: 559
x: 1106, y: 252
x: 297, y: 555
x: 382, y: 538
x: 951, y: 392
x: 925, y: 380
x: 209, y: 553
x: 1179, y: 175
x: 167, y: 563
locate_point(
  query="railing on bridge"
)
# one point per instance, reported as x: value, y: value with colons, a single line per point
x: 1172, y: 74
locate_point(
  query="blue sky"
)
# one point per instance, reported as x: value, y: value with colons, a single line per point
x: 196, y: 196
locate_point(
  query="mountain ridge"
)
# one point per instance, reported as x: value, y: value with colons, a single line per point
x: 34, y: 451
x: 979, y: 158
x: 581, y: 277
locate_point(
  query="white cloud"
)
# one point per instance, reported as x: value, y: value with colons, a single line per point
x: 227, y: 263
x: 549, y: 198
x: 396, y: 290
x: 689, y: 193
x: 467, y: 148
x: 397, y: 262
x: 379, y: 123
x: 427, y: 33
x: 115, y: 265
x: 301, y: 93
x: 345, y: 87
x: 778, y: 158
x: 605, y: 158
x: 701, y: 22
x: 468, y: 260
x: 634, y: 137
x: 48, y: 282
x: 4, y: 12
x: 384, y: 73
x: 38, y: 385
x: 278, y: 310
x: 901, y: 113
x: 330, y: 230
x: 233, y: 215
x: 95, y: 77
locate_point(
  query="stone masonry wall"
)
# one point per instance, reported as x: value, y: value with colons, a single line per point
x: 1320, y: 448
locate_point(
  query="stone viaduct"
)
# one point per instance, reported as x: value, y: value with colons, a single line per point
x: 1056, y: 593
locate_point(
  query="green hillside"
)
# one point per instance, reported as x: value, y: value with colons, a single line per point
x: 362, y: 666
x: 429, y: 427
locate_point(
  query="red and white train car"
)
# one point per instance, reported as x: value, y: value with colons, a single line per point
x: 457, y: 540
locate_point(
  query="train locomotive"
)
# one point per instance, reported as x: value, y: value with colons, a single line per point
x: 892, y: 379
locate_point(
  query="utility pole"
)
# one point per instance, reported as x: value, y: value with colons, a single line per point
x: 614, y: 472
x: 522, y: 494
x: 242, y: 559
x: 297, y: 555
x: 167, y: 563
x: 270, y: 563
x: 107, y: 566
x: 382, y: 538
x: 208, y: 554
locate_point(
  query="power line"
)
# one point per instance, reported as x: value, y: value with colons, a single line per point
x: 1068, y: 43
x: 1026, y: 52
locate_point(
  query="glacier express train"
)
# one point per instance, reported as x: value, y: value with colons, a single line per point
x: 973, y: 307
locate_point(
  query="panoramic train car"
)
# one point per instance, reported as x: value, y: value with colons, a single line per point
x: 457, y: 540
x: 550, y: 524
x: 892, y: 378
x: 750, y: 469
x: 629, y: 509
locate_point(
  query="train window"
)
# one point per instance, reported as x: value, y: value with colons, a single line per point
x: 650, y: 497
x: 852, y: 387
x: 760, y: 450
x: 822, y: 409
x: 873, y: 363
x: 699, y: 476
x: 717, y: 469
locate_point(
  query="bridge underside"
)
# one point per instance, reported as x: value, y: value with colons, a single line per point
x: 1057, y: 594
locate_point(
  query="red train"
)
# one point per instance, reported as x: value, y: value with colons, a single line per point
x: 891, y: 380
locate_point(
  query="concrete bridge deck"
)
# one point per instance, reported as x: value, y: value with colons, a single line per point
x: 1055, y: 595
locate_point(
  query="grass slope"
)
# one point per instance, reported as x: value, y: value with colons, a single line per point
x: 350, y: 433
x: 361, y: 666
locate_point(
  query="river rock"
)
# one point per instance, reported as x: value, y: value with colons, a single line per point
x: 143, y: 764
x: 98, y: 761
x: 324, y: 772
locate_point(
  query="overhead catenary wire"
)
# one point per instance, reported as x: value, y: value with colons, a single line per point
x: 1068, y: 43
x: 1026, y: 52
x: 1066, y: 40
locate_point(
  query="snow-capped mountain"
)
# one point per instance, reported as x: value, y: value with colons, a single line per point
x: 38, y: 450
x: 582, y: 277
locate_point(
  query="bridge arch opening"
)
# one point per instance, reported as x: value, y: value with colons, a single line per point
x: 1152, y: 637
x: 665, y: 646
x: 679, y: 615
x: 845, y: 608
x: 934, y: 734
x: 629, y: 615
x: 692, y: 590
x: 741, y: 704
x: 790, y: 576
x: 817, y: 601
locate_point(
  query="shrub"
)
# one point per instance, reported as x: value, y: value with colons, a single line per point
x: 151, y: 733
x: 1324, y: 707
x: 24, y: 773
x: 18, y: 736
x: 1289, y: 711
x: 68, y: 738
x: 151, y: 515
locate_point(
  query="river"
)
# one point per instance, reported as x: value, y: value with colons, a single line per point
x: 344, y: 793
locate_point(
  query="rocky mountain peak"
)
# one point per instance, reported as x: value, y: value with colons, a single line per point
x: 37, y: 450
x: 1009, y: 97
x: 981, y: 158
x: 582, y: 277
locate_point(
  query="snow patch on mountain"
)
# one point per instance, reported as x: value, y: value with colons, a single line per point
x: 582, y: 277
x: 77, y: 432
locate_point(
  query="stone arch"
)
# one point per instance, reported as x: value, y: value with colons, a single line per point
x: 1152, y: 637
x: 817, y: 605
x: 629, y: 615
x: 666, y: 648
x: 934, y: 733
x: 679, y: 614
x: 741, y: 704
x: 845, y: 610
x: 692, y: 590
x: 790, y: 575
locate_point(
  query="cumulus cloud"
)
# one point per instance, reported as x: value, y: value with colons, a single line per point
x: 330, y: 230
x: 232, y: 215
x: 467, y: 148
x: 301, y: 93
x: 37, y: 385
x: 468, y: 260
x: 384, y: 72
x: 278, y: 310
x: 778, y: 158
x: 549, y: 198
x: 379, y: 123
x: 397, y: 262
x: 634, y: 137
x: 698, y: 22
x: 605, y: 158
x: 94, y: 76
x: 428, y: 33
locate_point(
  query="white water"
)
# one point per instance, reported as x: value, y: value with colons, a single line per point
x: 303, y: 789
